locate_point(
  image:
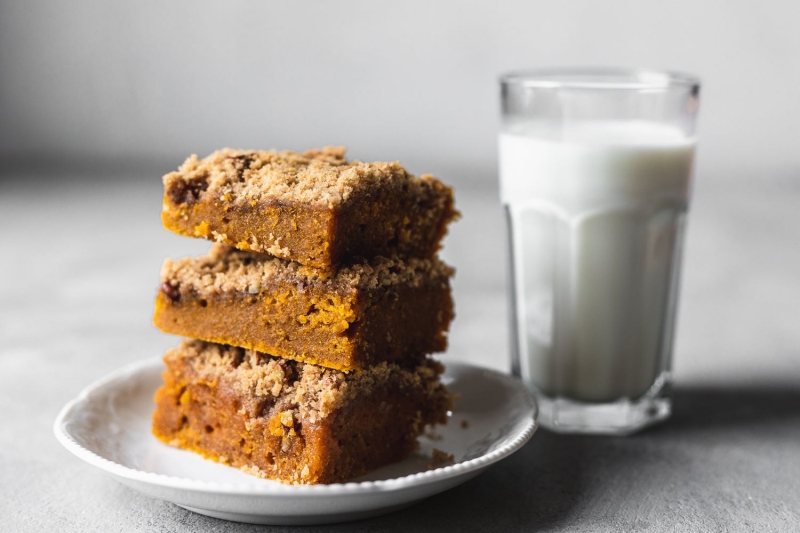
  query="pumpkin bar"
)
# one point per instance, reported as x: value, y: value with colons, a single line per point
x: 314, y: 207
x: 366, y: 313
x: 294, y: 422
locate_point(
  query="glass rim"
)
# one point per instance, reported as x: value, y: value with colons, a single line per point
x: 600, y: 78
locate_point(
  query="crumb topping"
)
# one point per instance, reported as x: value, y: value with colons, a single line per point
x: 318, y: 177
x: 226, y: 269
x: 294, y: 392
x: 440, y: 458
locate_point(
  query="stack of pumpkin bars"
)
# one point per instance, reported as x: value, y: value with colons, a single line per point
x: 311, y: 320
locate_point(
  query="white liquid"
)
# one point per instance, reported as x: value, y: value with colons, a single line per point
x: 597, y: 211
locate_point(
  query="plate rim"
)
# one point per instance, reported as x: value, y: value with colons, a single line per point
x: 277, y: 488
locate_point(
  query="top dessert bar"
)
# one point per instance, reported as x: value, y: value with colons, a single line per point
x: 314, y: 207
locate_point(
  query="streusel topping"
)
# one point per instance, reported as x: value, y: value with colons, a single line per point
x: 305, y: 392
x: 316, y: 177
x: 226, y: 269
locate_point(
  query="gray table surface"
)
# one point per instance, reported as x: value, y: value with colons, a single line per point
x: 80, y: 260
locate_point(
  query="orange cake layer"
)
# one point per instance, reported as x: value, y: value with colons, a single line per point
x: 382, y: 310
x: 293, y: 422
x: 315, y: 207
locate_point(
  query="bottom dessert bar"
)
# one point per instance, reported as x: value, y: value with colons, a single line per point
x: 294, y: 422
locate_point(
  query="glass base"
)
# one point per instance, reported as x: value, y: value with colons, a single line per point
x: 622, y: 417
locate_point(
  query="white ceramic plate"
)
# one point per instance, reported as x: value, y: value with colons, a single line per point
x: 108, y: 426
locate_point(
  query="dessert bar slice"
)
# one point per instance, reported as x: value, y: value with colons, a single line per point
x: 294, y: 422
x: 313, y: 207
x: 381, y: 310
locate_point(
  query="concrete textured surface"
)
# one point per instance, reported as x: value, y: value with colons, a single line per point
x: 78, y: 271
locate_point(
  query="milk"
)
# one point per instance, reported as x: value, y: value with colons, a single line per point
x: 597, y: 212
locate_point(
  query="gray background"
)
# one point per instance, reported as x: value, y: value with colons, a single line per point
x: 99, y: 99
x: 411, y: 80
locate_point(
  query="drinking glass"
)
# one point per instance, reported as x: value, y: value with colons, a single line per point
x: 595, y: 177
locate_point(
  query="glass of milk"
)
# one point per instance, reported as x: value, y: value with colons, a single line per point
x: 595, y: 176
